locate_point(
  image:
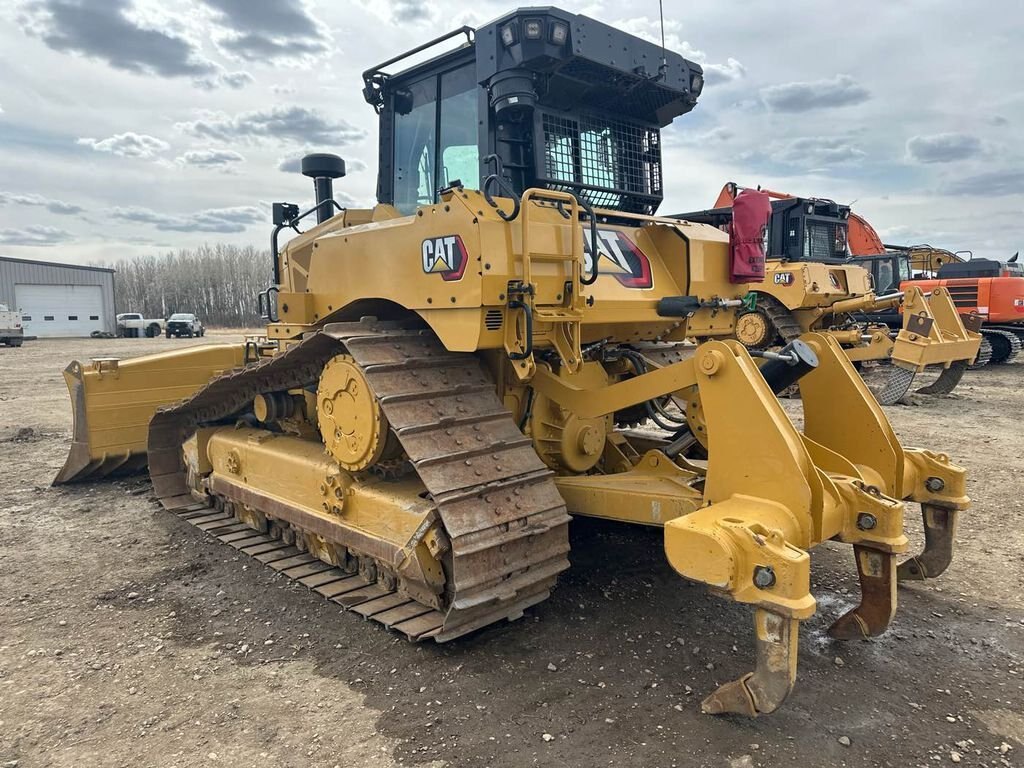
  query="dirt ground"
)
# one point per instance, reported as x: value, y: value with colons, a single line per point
x: 129, y: 639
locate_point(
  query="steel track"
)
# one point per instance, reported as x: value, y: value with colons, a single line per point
x: 504, y: 518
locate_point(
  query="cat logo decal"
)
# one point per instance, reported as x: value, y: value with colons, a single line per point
x: 446, y: 256
x: 619, y: 257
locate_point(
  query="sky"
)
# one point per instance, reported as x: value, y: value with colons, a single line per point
x: 132, y: 127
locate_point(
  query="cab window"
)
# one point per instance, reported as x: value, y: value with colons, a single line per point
x: 904, y: 267
x: 435, y: 137
x: 884, y: 279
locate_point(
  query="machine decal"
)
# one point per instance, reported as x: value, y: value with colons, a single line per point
x: 783, y: 278
x: 620, y: 257
x: 445, y: 255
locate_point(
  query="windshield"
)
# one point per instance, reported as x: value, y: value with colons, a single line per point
x: 182, y: 318
x: 436, y: 139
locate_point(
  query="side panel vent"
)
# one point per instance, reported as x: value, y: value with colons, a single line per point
x: 492, y: 320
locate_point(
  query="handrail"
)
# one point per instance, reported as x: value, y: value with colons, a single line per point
x: 374, y: 77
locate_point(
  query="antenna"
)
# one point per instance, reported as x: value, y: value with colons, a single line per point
x: 663, y: 69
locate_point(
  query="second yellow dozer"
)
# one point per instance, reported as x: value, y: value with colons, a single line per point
x: 811, y: 285
x: 442, y: 374
x: 792, y: 301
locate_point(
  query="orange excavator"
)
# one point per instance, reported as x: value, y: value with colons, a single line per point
x: 985, y: 291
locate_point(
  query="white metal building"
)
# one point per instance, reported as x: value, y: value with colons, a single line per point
x: 58, y: 299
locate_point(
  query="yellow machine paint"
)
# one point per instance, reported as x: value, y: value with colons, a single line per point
x: 114, y: 400
x: 799, y: 297
x: 445, y: 380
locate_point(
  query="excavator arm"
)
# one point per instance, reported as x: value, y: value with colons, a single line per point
x: 862, y: 238
x: 731, y: 189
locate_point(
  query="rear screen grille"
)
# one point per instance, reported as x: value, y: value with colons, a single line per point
x: 964, y: 295
x: 613, y: 164
x: 820, y: 242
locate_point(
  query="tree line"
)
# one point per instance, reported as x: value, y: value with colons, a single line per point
x: 218, y: 283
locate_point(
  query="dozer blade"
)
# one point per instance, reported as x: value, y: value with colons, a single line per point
x: 112, y: 402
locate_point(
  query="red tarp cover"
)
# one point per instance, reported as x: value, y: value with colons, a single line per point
x: 750, y: 213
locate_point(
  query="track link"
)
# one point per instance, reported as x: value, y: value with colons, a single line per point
x: 505, y: 520
x: 782, y: 319
x: 1006, y: 346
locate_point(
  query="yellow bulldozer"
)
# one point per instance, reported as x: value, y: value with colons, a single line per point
x: 811, y: 284
x: 443, y: 376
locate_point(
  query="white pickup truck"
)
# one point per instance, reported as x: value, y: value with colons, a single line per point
x: 11, y: 332
x: 134, y: 325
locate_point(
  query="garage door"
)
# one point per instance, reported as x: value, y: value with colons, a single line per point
x: 60, y: 310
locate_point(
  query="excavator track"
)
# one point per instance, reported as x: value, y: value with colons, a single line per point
x: 505, y: 520
x: 1005, y: 345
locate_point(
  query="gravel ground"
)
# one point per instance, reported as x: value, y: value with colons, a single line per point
x: 127, y: 638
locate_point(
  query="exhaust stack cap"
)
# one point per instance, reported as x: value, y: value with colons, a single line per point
x: 323, y: 166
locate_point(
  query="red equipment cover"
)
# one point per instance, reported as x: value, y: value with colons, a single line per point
x: 751, y: 211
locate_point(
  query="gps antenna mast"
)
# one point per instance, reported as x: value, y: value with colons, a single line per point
x: 663, y: 69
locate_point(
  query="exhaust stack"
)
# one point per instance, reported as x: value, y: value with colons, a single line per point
x: 323, y: 169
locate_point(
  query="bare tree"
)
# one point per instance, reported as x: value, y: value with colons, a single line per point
x: 219, y: 283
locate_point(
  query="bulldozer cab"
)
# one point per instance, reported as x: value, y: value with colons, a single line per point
x: 800, y: 229
x: 537, y: 98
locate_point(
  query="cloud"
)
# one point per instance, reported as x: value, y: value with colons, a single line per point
x: 409, y: 10
x: 716, y: 74
x: 222, y: 220
x: 840, y: 91
x: 997, y: 120
x: 233, y: 80
x: 128, y: 144
x: 943, y: 147
x: 650, y: 29
x: 291, y: 163
x: 41, y: 236
x: 994, y: 183
x: 720, y: 134
x: 112, y: 31
x: 210, y: 158
x: 282, y: 32
x: 818, y: 151
x: 284, y: 123
x: 53, y: 206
